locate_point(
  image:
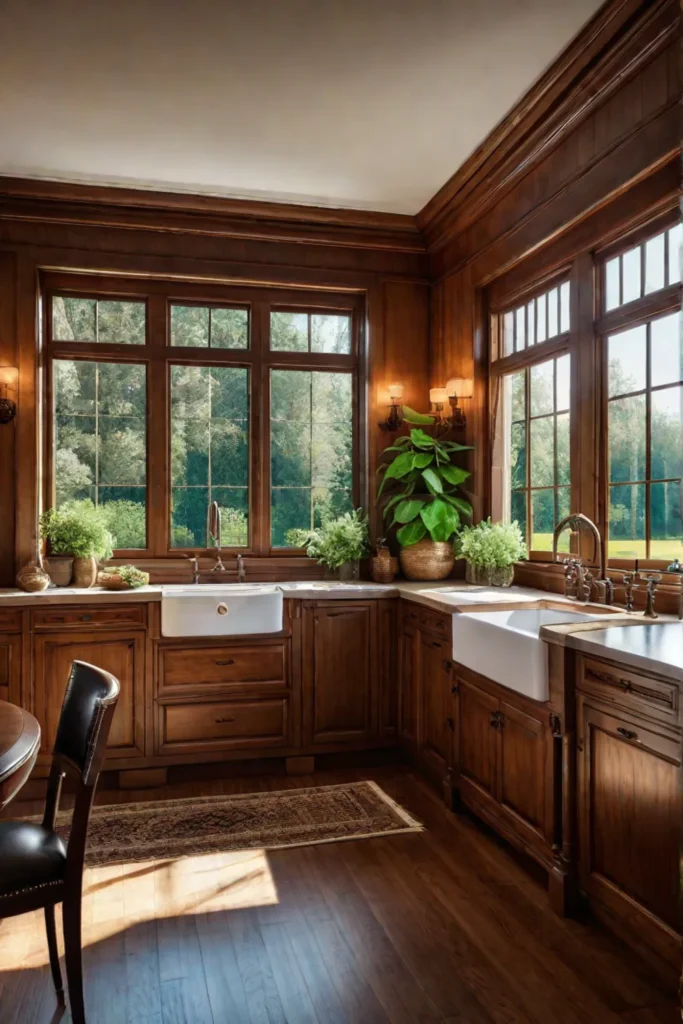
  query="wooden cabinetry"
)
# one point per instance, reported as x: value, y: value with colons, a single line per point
x: 122, y: 654
x: 10, y: 668
x: 629, y: 801
x: 503, y: 762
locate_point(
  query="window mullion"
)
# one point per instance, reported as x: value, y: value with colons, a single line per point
x: 158, y: 430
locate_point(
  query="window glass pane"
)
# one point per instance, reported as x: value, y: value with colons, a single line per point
x: 541, y: 315
x: 289, y: 332
x: 631, y: 272
x: 531, y: 323
x: 666, y: 339
x: 563, y: 383
x: 627, y: 356
x: 209, y: 452
x: 331, y: 334
x: 612, y: 284
x: 542, y: 520
x: 121, y: 323
x: 542, y: 395
x: 518, y: 455
x: 518, y: 510
x: 666, y: 521
x: 520, y: 337
x: 563, y: 456
x: 553, y: 322
x: 311, y: 449
x: 667, y: 434
x: 73, y: 319
x: 518, y: 395
x: 190, y: 326
x: 563, y: 498
x: 627, y: 439
x: 675, y: 241
x: 229, y: 328
x: 100, y: 450
x: 508, y: 333
x: 564, y: 307
x: 654, y: 264
x: 627, y: 521
x: 542, y: 456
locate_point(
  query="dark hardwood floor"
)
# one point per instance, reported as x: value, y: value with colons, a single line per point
x: 433, y: 928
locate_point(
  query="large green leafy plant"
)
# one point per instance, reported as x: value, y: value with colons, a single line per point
x: 421, y: 484
x: 337, y: 541
x: 78, y: 528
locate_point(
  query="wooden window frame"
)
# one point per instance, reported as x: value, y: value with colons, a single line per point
x: 158, y: 355
x: 586, y: 343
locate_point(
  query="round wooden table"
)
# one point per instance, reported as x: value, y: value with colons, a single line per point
x: 19, y: 746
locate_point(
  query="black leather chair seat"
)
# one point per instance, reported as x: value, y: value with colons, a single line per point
x: 30, y: 855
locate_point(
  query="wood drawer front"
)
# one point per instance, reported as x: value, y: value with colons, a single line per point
x: 224, y: 725
x: 10, y: 620
x: 654, y: 697
x: 256, y: 666
x: 111, y: 615
x: 435, y: 622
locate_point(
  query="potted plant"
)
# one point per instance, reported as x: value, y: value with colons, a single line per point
x: 421, y: 483
x: 123, y: 577
x: 338, y: 544
x: 77, y: 536
x: 491, y: 550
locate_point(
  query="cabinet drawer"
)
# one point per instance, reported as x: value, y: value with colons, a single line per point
x: 224, y: 725
x: 181, y: 670
x: 10, y: 620
x: 89, y: 616
x: 436, y: 623
x: 657, y: 698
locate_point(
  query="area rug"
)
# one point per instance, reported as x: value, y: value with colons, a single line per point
x: 271, y: 820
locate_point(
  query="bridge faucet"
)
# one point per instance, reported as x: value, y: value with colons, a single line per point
x: 213, y: 530
x: 578, y: 522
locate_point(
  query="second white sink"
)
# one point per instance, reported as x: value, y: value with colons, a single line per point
x: 233, y: 610
x: 506, y: 646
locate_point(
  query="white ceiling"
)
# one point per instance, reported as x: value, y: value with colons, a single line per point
x: 368, y: 104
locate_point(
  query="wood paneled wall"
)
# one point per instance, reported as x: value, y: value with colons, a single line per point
x: 592, y: 147
x: 44, y: 225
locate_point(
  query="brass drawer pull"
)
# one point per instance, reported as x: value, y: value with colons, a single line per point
x: 628, y: 734
x: 628, y: 686
x: 226, y: 661
x: 221, y: 721
x: 86, y: 618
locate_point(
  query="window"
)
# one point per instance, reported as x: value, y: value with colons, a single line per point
x: 531, y: 459
x: 164, y: 401
x: 644, y: 358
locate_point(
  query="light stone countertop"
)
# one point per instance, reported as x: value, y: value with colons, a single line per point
x: 632, y: 640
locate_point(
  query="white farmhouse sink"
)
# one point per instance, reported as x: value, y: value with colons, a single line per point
x: 230, y: 610
x: 506, y: 646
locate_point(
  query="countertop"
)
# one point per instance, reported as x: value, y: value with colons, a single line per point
x: 634, y: 642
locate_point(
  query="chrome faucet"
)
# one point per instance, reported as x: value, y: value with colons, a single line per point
x: 241, y: 571
x: 574, y: 568
x: 213, y: 530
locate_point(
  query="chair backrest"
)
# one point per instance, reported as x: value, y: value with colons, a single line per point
x: 84, y: 723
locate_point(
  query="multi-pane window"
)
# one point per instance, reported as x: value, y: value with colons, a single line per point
x: 163, y: 404
x: 644, y: 268
x: 540, y: 319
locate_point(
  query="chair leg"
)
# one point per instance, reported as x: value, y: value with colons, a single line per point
x: 54, y: 952
x: 71, y: 909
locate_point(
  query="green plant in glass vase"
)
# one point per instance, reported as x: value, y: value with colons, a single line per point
x: 338, y: 544
x: 419, y: 491
x: 491, y: 550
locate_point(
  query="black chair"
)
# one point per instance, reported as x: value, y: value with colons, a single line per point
x: 37, y: 869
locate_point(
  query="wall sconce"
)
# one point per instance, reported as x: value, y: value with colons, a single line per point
x: 9, y: 379
x: 458, y: 387
x: 437, y: 399
x: 395, y: 418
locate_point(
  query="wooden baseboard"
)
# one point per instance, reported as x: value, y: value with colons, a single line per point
x: 143, y: 778
x: 299, y: 765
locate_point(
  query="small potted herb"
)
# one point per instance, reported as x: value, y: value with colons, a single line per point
x: 338, y: 544
x: 77, y: 536
x: 491, y: 550
x: 123, y: 577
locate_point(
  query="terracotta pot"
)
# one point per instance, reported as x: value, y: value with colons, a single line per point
x: 489, y: 576
x: 60, y: 569
x: 428, y: 560
x: 383, y: 566
x: 85, y: 572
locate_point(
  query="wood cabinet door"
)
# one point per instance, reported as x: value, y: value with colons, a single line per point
x: 121, y: 654
x: 476, y: 739
x: 387, y: 654
x: 524, y: 769
x: 408, y: 687
x: 341, y: 684
x: 629, y: 778
x: 434, y: 682
x: 10, y: 668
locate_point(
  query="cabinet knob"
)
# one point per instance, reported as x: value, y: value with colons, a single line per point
x: 225, y: 661
x: 628, y: 734
x: 221, y: 721
x: 451, y: 724
x: 447, y: 665
x: 86, y: 618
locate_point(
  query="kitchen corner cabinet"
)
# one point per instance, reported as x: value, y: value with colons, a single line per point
x: 10, y: 668
x: 349, y: 696
x: 120, y: 652
x: 503, y: 762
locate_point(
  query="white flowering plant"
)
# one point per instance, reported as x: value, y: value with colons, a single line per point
x: 493, y: 545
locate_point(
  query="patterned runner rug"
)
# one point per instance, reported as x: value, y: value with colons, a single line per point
x: 292, y: 817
